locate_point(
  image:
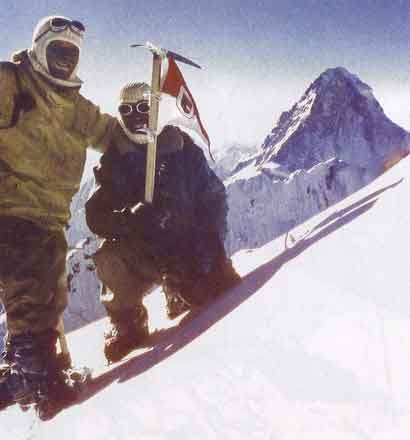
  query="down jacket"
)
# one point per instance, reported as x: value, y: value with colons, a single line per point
x: 44, y: 133
x: 185, y: 186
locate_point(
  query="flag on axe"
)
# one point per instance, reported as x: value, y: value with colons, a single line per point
x: 178, y: 106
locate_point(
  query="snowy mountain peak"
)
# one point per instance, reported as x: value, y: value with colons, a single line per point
x: 333, y: 141
x: 340, y: 77
x: 337, y: 87
x: 337, y: 116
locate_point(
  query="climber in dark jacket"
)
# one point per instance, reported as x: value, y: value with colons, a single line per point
x: 176, y: 242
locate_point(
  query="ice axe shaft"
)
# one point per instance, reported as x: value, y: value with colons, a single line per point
x: 153, y: 125
x: 63, y: 343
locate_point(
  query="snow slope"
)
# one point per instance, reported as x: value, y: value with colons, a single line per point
x: 314, y: 344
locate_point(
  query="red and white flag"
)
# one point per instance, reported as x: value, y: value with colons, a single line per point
x: 177, y: 105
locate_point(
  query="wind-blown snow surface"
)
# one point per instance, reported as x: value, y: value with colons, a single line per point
x: 314, y: 344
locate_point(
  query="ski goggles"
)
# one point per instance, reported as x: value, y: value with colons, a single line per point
x: 141, y: 107
x: 60, y: 24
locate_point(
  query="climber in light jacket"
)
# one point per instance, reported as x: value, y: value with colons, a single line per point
x: 45, y: 127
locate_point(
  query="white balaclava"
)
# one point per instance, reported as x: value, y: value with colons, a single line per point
x: 132, y: 93
x: 37, y: 53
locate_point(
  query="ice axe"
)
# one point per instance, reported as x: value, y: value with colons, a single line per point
x: 158, y: 55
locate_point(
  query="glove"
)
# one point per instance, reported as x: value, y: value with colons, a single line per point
x: 147, y: 221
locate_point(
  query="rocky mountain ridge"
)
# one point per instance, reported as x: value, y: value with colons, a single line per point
x: 338, y: 116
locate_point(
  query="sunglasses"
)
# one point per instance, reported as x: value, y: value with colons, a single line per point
x: 58, y: 24
x: 139, y: 107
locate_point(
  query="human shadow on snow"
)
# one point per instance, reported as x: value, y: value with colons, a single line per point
x: 174, y: 339
x: 342, y: 212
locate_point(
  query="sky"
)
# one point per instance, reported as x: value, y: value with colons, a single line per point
x: 258, y: 57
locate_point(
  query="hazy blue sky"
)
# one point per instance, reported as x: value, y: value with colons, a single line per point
x: 258, y: 56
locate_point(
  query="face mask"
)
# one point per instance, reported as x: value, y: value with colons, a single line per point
x: 62, y: 59
x: 135, y: 115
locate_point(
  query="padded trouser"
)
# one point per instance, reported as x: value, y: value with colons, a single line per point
x: 33, y: 281
x: 128, y: 271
